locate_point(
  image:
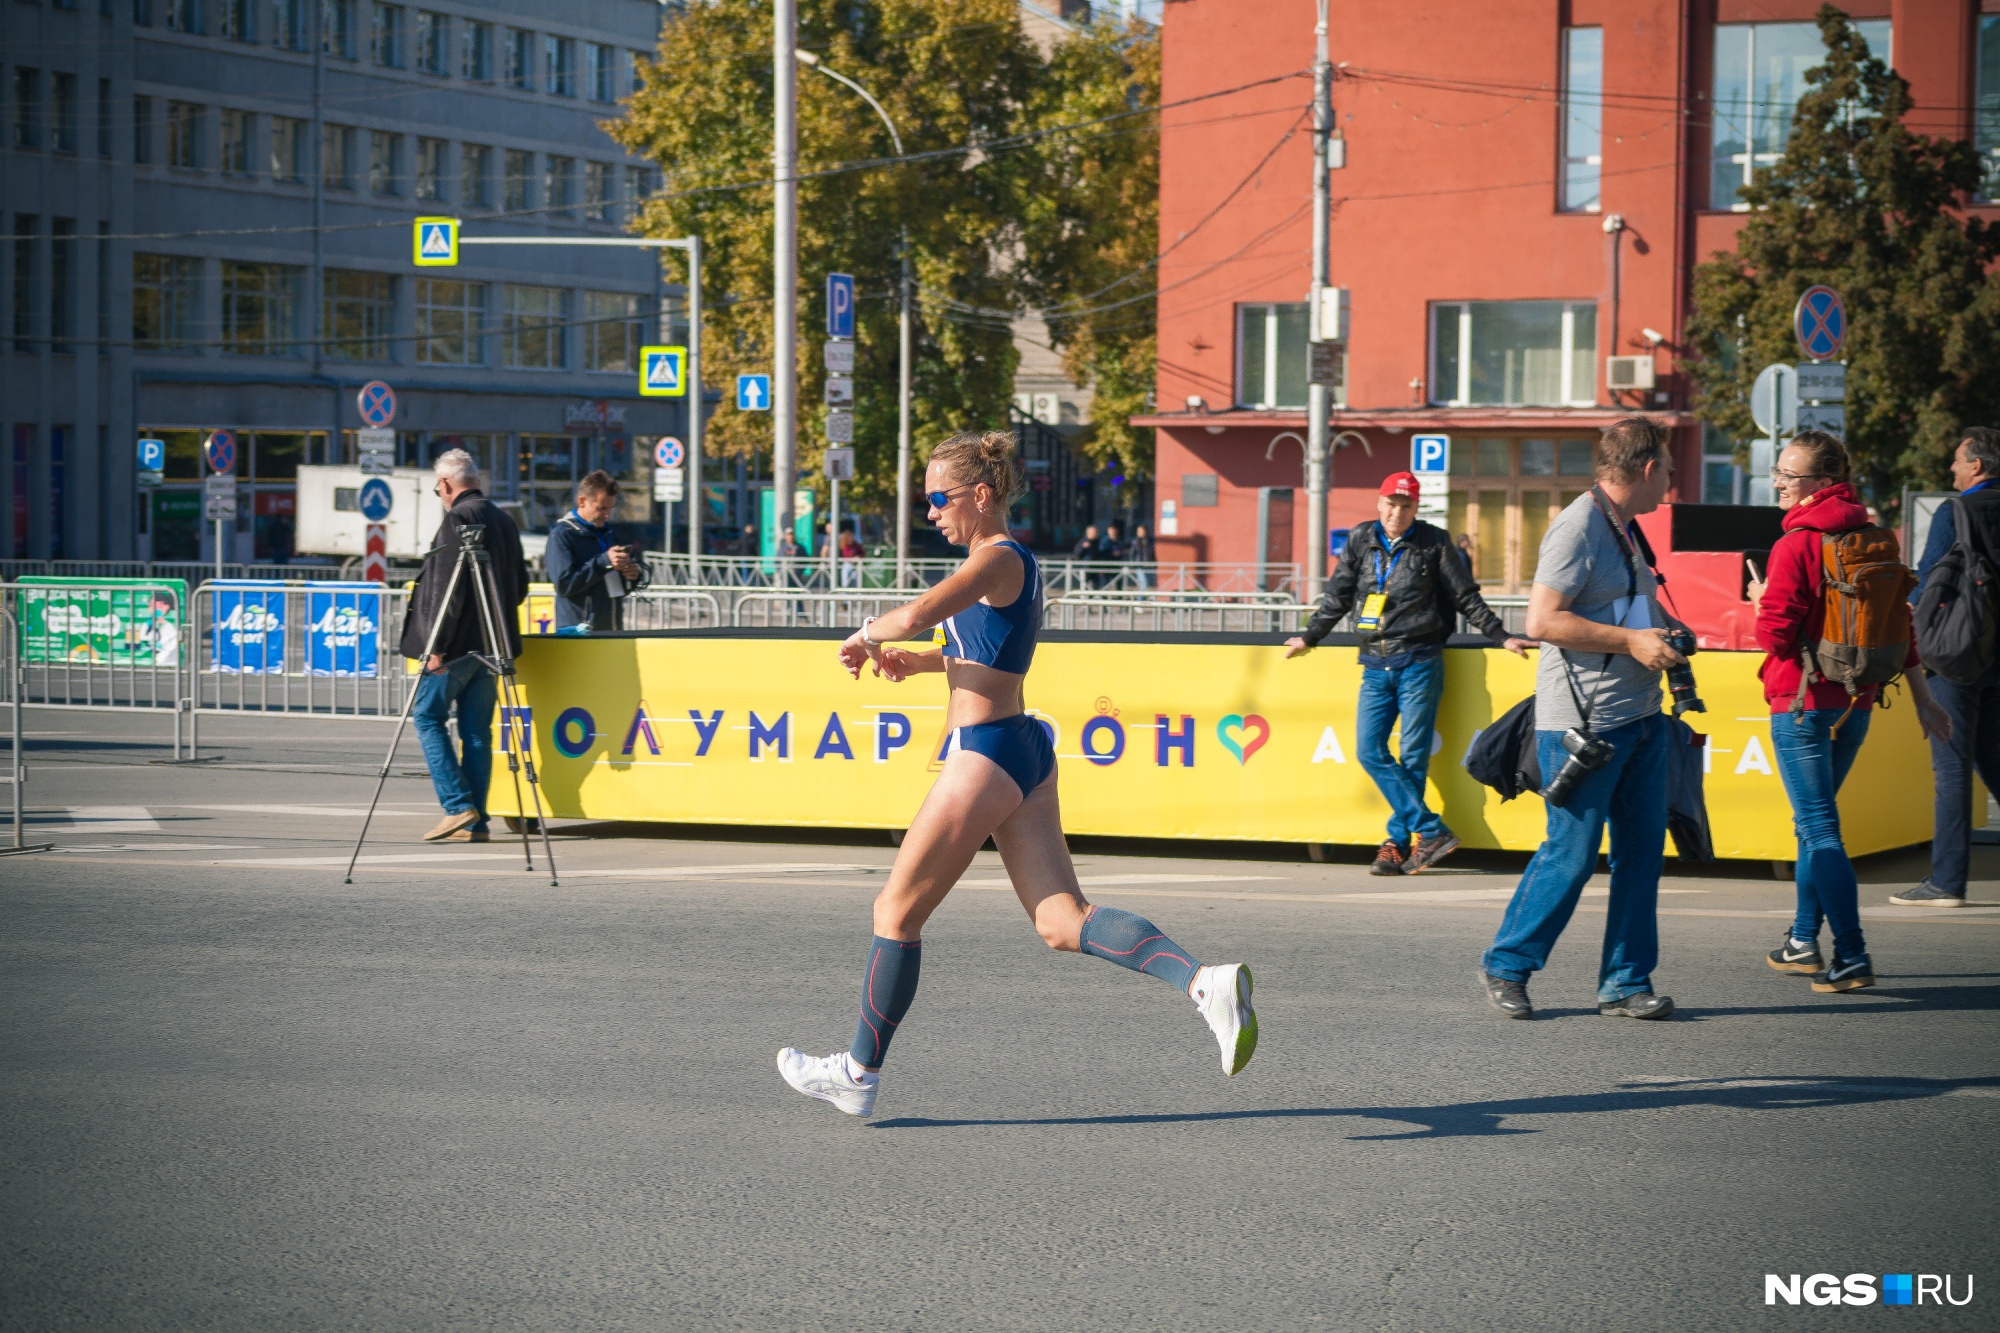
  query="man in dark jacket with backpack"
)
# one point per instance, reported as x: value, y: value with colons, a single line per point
x: 590, y: 575
x: 1409, y: 586
x: 1973, y: 703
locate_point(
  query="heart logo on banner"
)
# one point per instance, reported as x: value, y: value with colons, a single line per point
x: 1249, y: 744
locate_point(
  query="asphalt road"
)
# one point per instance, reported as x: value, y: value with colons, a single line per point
x: 235, y: 1093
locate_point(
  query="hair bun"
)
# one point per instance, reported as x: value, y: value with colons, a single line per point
x: 987, y: 457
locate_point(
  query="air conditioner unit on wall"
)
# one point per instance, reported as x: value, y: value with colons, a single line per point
x: 1628, y: 372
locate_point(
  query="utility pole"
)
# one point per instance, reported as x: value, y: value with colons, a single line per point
x: 785, y: 264
x: 1318, y: 394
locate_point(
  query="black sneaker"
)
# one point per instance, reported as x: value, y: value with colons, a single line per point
x: 1509, y: 997
x: 1928, y: 894
x: 1643, y: 1005
x: 1427, y: 852
x: 1844, y: 975
x: 1389, y: 860
x: 1805, y: 961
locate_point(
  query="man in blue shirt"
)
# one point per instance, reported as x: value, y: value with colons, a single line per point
x: 591, y: 576
x: 1974, y: 708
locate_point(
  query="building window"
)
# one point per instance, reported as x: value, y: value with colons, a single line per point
x: 288, y: 25
x: 384, y: 170
x: 1760, y: 74
x: 336, y: 156
x: 104, y: 118
x: 142, y: 130
x: 27, y: 108
x: 260, y: 308
x: 433, y: 43
x: 638, y: 188
x: 561, y: 56
x: 62, y: 283
x: 475, y: 175
x: 385, y: 45
x: 430, y: 168
x: 601, y: 69
x: 531, y: 327
x: 1200, y: 490
x: 182, y: 16
x: 62, y: 112
x: 559, y: 185
x: 475, y: 51
x: 451, y: 319
x: 1514, y: 353
x: 288, y: 150
x: 357, y: 313
x: 104, y: 289
x: 1271, y: 355
x: 235, y: 19
x: 142, y: 13
x: 1582, y: 118
x: 1503, y: 493
x: 600, y: 191
x: 25, y: 227
x: 235, y: 142
x: 635, y: 70
x: 336, y: 28
x: 521, y: 59
x: 183, y: 134
x: 166, y: 291
x: 520, y: 181
x: 1721, y: 480
x: 611, y: 332
x: 1986, y: 114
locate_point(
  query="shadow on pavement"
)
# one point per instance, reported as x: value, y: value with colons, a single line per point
x: 1483, y: 1119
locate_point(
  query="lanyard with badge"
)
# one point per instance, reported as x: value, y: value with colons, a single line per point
x: 1634, y: 610
x: 1370, y: 618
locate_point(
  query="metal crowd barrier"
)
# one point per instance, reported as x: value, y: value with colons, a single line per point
x: 1177, y: 613
x: 16, y: 776
x: 1059, y: 575
x: 314, y: 651
x: 673, y: 608
x: 813, y: 610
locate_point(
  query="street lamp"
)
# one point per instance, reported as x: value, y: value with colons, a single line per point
x: 903, y: 356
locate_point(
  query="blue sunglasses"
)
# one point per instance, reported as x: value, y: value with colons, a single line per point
x: 939, y: 499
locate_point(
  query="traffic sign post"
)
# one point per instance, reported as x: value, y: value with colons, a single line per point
x: 838, y: 356
x: 375, y: 561
x: 753, y: 393
x: 151, y: 458
x: 435, y: 242
x: 669, y: 480
x: 219, y: 489
x: 839, y: 425
x: 663, y: 372
x: 375, y: 450
x: 839, y: 305
x: 1819, y: 321
x: 376, y: 500
x: 839, y: 464
x: 668, y: 453
x: 839, y: 391
x: 1430, y: 459
x: 377, y: 403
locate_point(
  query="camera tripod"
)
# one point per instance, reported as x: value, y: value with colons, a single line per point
x: 497, y: 659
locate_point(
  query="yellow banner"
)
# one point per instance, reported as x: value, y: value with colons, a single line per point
x: 1157, y: 740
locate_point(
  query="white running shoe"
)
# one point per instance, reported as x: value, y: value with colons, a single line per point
x: 826, y: 1078
x: 1222, y: 993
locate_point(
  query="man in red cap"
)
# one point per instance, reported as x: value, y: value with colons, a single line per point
x: 1407, y: 586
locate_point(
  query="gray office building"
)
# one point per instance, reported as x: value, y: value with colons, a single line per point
x: 209, y: 209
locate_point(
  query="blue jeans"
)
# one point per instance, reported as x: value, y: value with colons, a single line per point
x: 1631, y: 792
x: 460, y: 783
x: 1413, y: 691
x: 1975, y: 745
x: 1813, y: 763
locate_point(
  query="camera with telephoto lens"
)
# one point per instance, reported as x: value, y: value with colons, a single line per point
x: 1587, y: 754
x: 1680, y: 679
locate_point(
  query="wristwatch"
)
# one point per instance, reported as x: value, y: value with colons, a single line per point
x: 865, y: 640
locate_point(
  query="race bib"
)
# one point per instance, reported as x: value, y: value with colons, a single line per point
x: 1370, y: 618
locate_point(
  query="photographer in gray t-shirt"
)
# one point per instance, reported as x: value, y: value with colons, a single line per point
x: 1597, y: 713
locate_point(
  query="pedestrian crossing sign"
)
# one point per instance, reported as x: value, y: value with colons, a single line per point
x: 662, y: 372
x: 437, y: 241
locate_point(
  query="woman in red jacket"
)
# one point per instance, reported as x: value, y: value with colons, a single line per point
x: 1816, y: 745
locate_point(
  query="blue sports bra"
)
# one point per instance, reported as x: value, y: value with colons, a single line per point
x: 1002, y: 637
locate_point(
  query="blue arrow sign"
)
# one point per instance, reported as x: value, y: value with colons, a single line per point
x: 753, y: 393
x: 377, y: 402
x: 376, y: 499
x: 839, y: 305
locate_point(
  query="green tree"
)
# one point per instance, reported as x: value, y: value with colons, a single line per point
x: 953, y: 75
x: 1864, y: 205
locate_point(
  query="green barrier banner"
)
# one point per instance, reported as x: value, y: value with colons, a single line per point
x: 122, y: 622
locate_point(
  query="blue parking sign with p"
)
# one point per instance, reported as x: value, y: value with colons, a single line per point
x: 839, y: 305
x: 662, y: 372
x: 1430, y: 453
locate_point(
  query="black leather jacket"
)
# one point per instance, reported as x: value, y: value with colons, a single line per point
x: 1428, y: 589
x: 460, y: 630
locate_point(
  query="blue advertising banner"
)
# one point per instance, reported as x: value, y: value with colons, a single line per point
x: 343, y: 629
x: 249, y: 627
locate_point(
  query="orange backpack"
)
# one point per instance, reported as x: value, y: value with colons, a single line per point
x: 1865, y: 639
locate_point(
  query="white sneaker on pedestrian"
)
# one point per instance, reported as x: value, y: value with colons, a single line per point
x: 1222, y: 992
x: 826, y: 1078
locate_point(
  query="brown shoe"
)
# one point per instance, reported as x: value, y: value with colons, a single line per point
x: 468, y: 835
x: 451, y: 824
x: 1427, y: 852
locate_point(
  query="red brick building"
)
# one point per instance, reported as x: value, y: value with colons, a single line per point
x: 1528, y: 186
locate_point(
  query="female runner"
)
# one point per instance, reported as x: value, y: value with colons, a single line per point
x: 999, y: 779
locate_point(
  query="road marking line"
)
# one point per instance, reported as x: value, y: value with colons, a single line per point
x: 1105, y: 881
x: 342, y: 860
x: 110, y: 819
x: 304, y: 811
x: 689, y: 872
x: 160, y: 847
